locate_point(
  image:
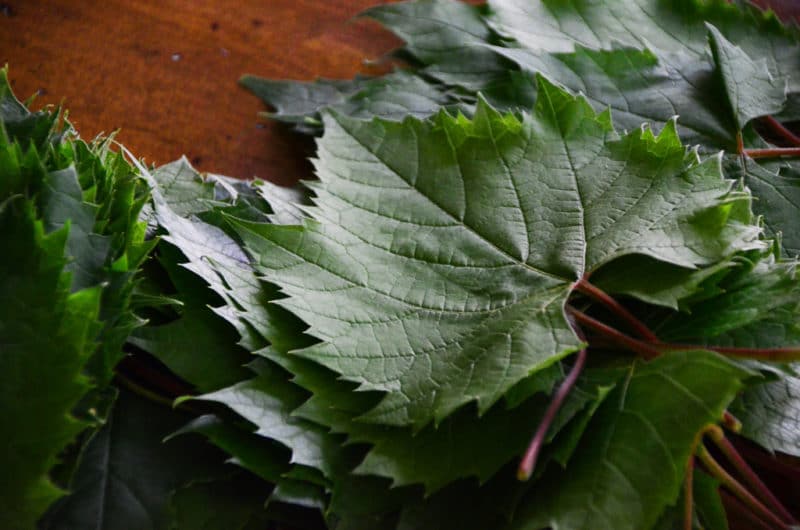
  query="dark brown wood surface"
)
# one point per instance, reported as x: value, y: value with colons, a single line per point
x: 165, y: 72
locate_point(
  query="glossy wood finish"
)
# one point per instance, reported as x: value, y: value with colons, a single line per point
x: 165, y: 72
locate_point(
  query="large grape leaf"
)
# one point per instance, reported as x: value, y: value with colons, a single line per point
x: 38, y: 318
x: 631, y: 462
x: 440, y: 277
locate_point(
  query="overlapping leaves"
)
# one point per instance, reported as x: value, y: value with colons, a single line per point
x: 385, y: 349
x: 455, y: 263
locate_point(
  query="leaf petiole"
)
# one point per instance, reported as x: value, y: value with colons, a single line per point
x: 781, y: 130
x: 644, y: 349
x: 758, y: 487
x: 774, y: 152
x: 528, y: 462
x: 789, y: 354
x: 730, y: 483
x: 590, y: 290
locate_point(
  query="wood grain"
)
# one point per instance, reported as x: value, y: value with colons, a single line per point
x: 165, y: 72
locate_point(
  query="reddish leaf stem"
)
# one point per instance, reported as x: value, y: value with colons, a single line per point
x: 642, y: 348
x: 779, y: 129
x: 652, y: 350
x: 618, y: 309
x: 737, y: 511
x: 750, y: 477
x: 791, y: 353
x: 773, y: 152
x: 718, y: 472
x: 528, y: 462
x: 731, y: 422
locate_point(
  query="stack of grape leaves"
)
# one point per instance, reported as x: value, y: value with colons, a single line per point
x: 545, y: 278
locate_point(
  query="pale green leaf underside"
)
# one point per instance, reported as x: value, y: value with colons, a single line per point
x: 664, y: 26
x: 752, y: 89
x: 443, y: 251
x: 770, y: 414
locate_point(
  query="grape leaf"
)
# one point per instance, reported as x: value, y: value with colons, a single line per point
x: 254, y: 453
x: 126, y: 474
x: 751, y: 88
x: 38, y: 316
x: 751, y: 298
x: 471, y: 245
x: 661, y: 26
x: 609, y: 482
x: 778, y: 201
x: 433, y: 29
x: 182, y: 188
x: 392, y: 96
x: 770, y: 414
x: 656, y: 282
x: 267, y: 401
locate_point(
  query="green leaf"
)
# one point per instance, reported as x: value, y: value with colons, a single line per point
x: 198, y: 345
x: 217, y: 258
x: 656, y: 282
x: 751, y: 301
x: 182, y: 188
x: 263, y: 457
x: 126, y: 474
x: 46, y: 334
x: 630, y: 463
x: 267, y: 401
x: 392, y: 96
x: 21, y: 125
x: 639, y: 86
x: 296, y: 101
x: 708, y: 504
x: 440, y: 278
x: 433, y: 29
x: 227, y: 503
x: 770, y: 414
x: 676, y: 26
x: 778, y: 200
x: 751, y: 88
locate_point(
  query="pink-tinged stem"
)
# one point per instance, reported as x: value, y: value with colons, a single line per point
x: 732, y: 485
x: 774, y: 152
x: 688, y: 496
x: 738, y: 512
x: 778, y: 128
x: 750, y: 477
x: 528, y: 462
x: 791, y: 353
x: 599, y: 295
x: 731, y: 422
x: 642, y: 348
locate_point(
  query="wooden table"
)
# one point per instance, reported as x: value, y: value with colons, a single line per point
x: 165, y: 72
